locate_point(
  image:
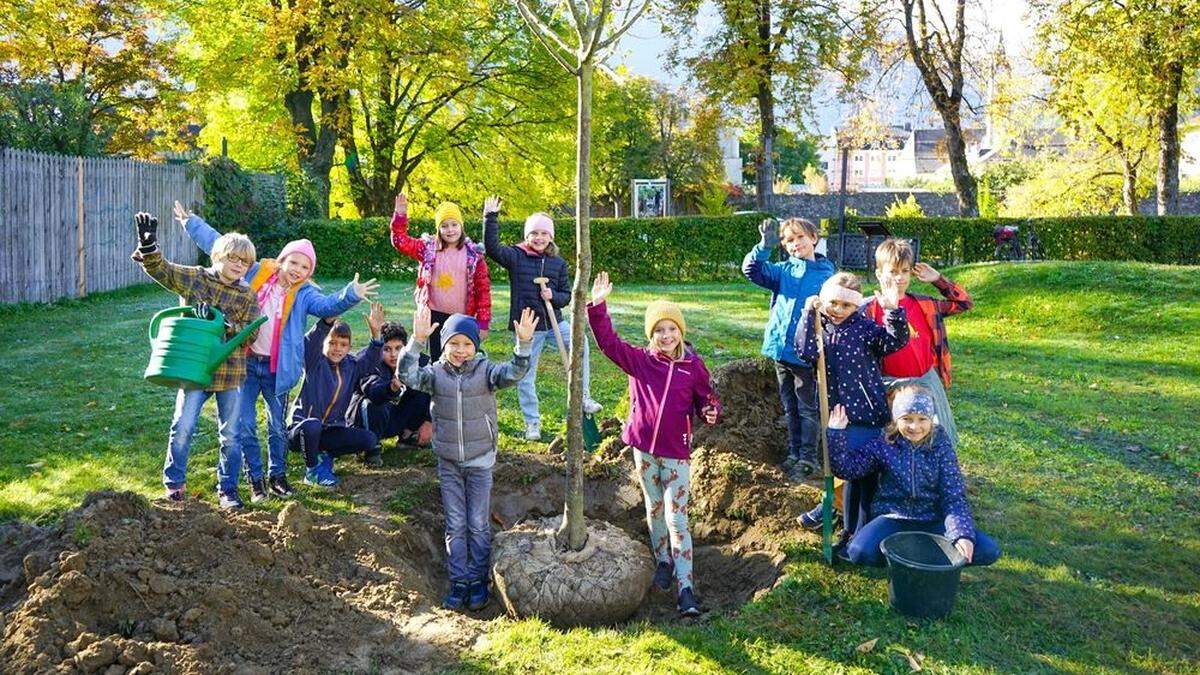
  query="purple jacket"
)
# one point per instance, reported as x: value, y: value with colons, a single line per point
x: 663, y: 394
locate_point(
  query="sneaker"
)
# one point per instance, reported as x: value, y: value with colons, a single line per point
x: 477, y: 595
x: 533, y: 432
x: 457, y: 597
x: 806, y: 467
x: 664, y: 574
x: 176, y: 495
x: 687, y: 604
x: 321, y: 474
x: 258, y: 491
x: 812, y: 519
x: 280, y: 487
x: 373, y: 457
x: 231, y: 501
x: 326, y: 463
x: 787, y: 464
x: 590, y: 406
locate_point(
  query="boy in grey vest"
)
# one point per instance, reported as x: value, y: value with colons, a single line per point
x: 463, y: 384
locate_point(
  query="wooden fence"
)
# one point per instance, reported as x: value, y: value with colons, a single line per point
x: 66, y: 223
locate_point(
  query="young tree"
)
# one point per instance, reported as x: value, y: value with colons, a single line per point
x: 937, y: 51
x: 588, y: 39
x: 767, y: 52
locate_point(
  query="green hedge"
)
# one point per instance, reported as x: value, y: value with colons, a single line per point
x: 658, y: 249
x: 1165, y: 239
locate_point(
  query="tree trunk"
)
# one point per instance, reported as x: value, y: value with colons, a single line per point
x: 960, y: 170
x: 574, y: 533
x: 764, y: 164
x: 1129, y: 186
x: 314, y: 143
x: 1168, y: 141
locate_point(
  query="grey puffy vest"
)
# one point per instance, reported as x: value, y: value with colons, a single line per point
x: 463, y: 411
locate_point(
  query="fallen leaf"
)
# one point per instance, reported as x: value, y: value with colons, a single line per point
x: 914, y: 663
x: 866, y: 646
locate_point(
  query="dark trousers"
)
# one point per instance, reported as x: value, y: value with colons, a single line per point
x: 858, y: 494
x: 390, y: 420
x: 312, y: 437
x: 435, y: 338
x: 798, y: 392
x: 864, y: 548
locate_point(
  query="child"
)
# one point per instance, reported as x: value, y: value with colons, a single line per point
x: 668, y: 385
x: 286, y: 295
x: 920, y: 485
x: 536, y: 257
x: 452, y: 268
x: 384, y: 405
x: 925, y: 360
x: 854, y: 346
x: 319, y: 428
x: 791, y: 282
x: 463, y: 385
x: 219, y: 286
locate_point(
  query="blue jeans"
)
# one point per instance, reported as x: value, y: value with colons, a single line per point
x: 260, y: 381
x: 798, y: 392
x: 527, y: 387
x: 863, y: 549
x: 466, y: 498
x: 188, y: 404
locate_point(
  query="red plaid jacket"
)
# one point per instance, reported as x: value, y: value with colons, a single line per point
x: 956, y: 301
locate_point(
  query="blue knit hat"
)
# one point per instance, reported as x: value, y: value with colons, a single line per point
x: 912, y: 400
x: 461, y: 324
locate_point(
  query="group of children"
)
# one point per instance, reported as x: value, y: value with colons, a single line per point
x: 438, y: 388
x: 891, y: 434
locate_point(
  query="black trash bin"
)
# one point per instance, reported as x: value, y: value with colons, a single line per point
x: 923, y: 573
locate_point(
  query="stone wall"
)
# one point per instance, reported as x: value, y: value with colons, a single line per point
x: 816, y: 207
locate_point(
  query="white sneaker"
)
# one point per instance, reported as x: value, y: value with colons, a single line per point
x: 533, y: 433
x: 590, y: 406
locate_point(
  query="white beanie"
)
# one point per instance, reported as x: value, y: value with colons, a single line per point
x: 539, y: 221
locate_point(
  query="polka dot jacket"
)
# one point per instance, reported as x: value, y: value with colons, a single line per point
x: 854, y: 352
x: 921, y: 482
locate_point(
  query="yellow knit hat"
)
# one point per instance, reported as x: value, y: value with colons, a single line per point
x: 664, y: 309
x: 447, y: 210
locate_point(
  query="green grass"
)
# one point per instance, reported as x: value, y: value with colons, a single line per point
x: 1076, y: 392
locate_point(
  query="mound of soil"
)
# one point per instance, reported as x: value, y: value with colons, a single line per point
x: 123, y: 585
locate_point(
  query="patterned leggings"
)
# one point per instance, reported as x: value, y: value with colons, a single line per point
x: 666, y: 479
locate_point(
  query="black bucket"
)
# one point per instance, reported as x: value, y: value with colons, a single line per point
x: 923, y: 572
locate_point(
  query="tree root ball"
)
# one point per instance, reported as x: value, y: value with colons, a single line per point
x: 602, y: 584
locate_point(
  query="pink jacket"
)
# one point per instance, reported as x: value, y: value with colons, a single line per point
x: 663, y: 394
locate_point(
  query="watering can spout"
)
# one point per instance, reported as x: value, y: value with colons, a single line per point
x: 236, y: 341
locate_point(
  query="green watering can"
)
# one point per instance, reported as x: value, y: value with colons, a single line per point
x: 185, y: 349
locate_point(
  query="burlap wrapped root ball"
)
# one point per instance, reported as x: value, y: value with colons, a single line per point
x: 604, y: 583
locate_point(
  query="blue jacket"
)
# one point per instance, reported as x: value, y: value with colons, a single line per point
x: 791, y: 282
x: 308, y: 300
x: 854, y: 354
x: 329, y: 387
x: 921, y: 482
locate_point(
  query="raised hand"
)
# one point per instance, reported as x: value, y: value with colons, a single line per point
x: 812, y: 303
x: 601, y: 287
x: 492, y: 205
x: 526, y: 325
x: 401, y: 204
x: 768, y: 230
x: 888, y: 295
x: 375, y: 319
x: 365, y: 290
x: 838, y: 419
x: 926, y: 273
x: 181, y: 214
x: 147, y: 229
x: 421, y: 326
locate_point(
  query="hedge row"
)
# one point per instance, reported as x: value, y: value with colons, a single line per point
x: 660, y: 249
x: 1158, y: 239
x: 711, y: 249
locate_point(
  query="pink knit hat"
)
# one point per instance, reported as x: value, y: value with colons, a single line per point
x: 539, y: 221
x: 302, y: 246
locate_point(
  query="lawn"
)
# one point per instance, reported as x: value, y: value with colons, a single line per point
x: 1076, y: 391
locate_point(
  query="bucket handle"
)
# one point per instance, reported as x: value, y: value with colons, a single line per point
x: 166, y: 314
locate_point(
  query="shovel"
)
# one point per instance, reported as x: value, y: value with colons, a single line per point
x: 823, y: 438
x: 591, y: 432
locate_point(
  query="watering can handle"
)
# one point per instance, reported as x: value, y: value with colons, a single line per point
x: 166, y: 314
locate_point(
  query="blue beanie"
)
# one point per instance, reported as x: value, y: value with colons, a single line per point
x: 912, y: 400
x: 461, y: 324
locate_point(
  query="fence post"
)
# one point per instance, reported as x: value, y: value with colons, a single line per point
x: 81, y: 276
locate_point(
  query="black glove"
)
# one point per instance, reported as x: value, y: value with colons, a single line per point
x: 769, y: 232
x: 147, y: 229
x: 203, y: 312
